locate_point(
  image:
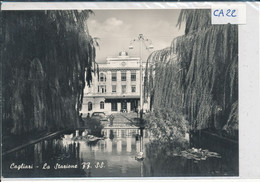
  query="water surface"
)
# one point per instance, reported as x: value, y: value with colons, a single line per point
x: 115, y: 156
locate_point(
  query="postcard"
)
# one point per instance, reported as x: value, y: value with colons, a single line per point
x: 129, y: 92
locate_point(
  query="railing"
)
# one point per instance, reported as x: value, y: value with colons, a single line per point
x: 113, y: 94
x: 121, y: 127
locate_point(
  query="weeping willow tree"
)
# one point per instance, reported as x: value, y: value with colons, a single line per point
x: 47, y: 59
x: 198, y: 75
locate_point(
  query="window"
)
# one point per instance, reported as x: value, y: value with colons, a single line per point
x: 113, y: 76
x: 133, y: 88
x: 113, y: 88
x: 123, y: 89
x: 102, y: 105
x: 102, y: 77
x: 102, y: 89
x: 123, y: 76
x: 133, y: 76
x: 89, y: 106
x: 114, y: 106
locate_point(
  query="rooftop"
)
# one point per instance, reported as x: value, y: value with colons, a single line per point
x: 123, y: 55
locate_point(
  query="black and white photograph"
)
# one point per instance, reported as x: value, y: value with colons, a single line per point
x: 119, y: 93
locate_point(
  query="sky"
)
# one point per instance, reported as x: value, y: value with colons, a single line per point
x: 116, y: 28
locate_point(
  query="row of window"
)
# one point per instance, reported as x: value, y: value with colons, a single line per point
x: 102, y: 89
x: 113, y: 106
x: 102, y: 76
x: 102, y: 105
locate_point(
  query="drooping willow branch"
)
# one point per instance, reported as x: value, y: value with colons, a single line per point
x: 198, y: 74
x: 47, y: 60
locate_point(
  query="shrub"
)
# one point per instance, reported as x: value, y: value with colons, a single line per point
x: 167, y: 126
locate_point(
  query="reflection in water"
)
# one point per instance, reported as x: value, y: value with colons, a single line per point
x: 111, y: 134
x: 119, y: 146
x: 118, y: 154
x: 137, y: 146
x: 128, y: 144
x: 108, y: 145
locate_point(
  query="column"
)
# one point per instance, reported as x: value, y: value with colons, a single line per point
x: 119, y: 106
x: 128, y: 106
x: 128, y: 82
x: 118, y: 82
x: 128, y: 144
x: 119, y: 135
x: 107, y: 107
x: 108, y: 82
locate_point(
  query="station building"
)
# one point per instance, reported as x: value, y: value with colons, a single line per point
x: 117, y: 89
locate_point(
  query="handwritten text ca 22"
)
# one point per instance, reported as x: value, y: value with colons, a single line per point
x: 225, y: 12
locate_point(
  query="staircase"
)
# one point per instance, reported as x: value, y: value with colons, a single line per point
x: 120, y: 120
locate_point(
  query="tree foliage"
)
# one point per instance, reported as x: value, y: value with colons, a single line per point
x: 47, y: 57
x: 198, y: 75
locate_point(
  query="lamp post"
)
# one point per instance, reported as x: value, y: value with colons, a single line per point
x: 142, y: 41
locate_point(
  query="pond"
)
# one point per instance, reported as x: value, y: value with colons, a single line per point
x: 116, y: 156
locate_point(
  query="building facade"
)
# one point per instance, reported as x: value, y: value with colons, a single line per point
x: 117, y: 89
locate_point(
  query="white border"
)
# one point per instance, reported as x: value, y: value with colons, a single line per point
x: 249, y: 96
x: 249, y: 78
x: 105, y: 5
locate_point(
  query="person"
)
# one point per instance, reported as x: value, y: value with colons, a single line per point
x: 87, y: 119
x: 81, y: 120
x: 111, y: 118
